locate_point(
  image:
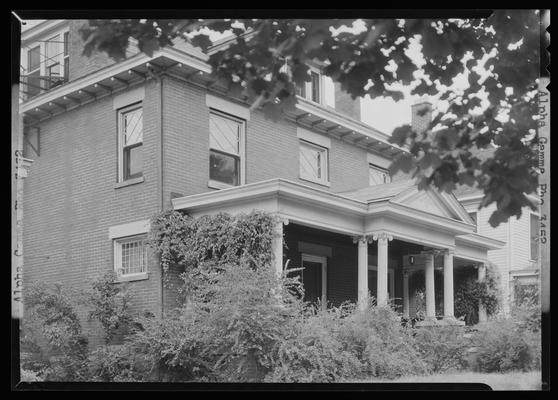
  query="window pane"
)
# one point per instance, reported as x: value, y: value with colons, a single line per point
x: 33, y: 86
x: 34, y: 59
x: 133, y: 162
x: 534, y: 237
x: 53, y: 50
x: 224, y: 134
x: 315, y: 87
x: 377, y: 176
x: 473, y: 216
x: 224, y: 168
x: 134, y: 257
x: 132, y: 124
x: 313, y: 162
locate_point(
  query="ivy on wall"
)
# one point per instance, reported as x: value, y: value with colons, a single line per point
x: 469, y: 291
x: 200, y: 247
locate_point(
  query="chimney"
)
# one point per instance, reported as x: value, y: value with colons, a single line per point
x: 345, y: 104
x: 419, y: 123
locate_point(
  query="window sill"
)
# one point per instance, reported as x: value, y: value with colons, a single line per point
x: 218, y: 185
x: 129, y: 182
x: 132, y: 277
x: 322, y: 183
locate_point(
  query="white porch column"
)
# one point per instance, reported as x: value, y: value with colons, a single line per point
x: 429, y: 286
x: 481, y: 276
x: 362, y: 270
x: 448, y: 284
x: 277, y: 246
x: 382, y: 282
x: 406, y: 294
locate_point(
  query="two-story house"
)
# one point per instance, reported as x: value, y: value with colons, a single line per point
x: 114, y: 143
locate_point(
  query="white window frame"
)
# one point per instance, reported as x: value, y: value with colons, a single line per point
x: 117, y: 245
x: 308, y: 86
x: 391, y: 279
x: 120, y: 143
x: 379, y: 169
x: 241, y: 154
x: 320, y: 260
x: 125, y: 232
x: 324, y: 180
x: 531, y: 214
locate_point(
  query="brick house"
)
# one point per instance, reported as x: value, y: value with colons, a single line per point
x: 112, y: 144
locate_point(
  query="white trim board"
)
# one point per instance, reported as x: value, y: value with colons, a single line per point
x: 227, y: 106
x: 313, y: 137
x: 129, y: 229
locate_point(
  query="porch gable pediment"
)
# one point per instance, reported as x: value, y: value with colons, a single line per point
x: 432, y: 202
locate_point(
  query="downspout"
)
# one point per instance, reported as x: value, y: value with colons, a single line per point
x: 162, y: 193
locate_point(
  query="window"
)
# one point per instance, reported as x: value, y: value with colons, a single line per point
x: 34, y: 71
x: 312, y: 90
x: 47, y: 64
x: 473, y: 216
x: 131, y: 141
x: 377, y: 175
x: 130, y: 256
x: 313, y: 162
x: 226, y: 138
x: 534, y: 237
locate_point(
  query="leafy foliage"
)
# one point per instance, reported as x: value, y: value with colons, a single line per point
x: 469, y: 291
x: 111, y: 305
x: 52, y: 343
x: 442, y: 348
x: 201, y: 246
x: 267, y: 58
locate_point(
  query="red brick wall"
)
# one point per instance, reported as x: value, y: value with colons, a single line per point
x: 70, y: 199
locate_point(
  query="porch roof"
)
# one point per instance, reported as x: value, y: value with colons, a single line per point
x: 341, y: 213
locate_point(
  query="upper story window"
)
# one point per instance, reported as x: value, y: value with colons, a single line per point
x: 226, y: 150
x: 130, y: 129
x: 45, y: 64
x: 314, y: 162
x: 474, y: 217
x: 534, y: 233
x: 377, y: 175
x: 319, y: 89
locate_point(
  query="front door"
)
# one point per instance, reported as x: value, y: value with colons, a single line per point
x: 314, y: 278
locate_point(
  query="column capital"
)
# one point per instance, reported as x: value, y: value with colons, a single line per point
x: 433, y: 252
x: 449, y: 252
x: 362, y: 238
x: 381, y: 235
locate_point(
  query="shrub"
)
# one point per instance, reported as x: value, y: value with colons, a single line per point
x: 111, y: 305
x: 314, y: 351
x: 503, y: 345
x: 382, y: 343
x: 442, y: 348
x: 52, y: 343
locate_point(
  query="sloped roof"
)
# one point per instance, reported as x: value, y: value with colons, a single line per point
x: 377, y: 192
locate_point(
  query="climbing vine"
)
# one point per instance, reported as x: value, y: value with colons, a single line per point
x: 469, y: 291
x: 204, y: 245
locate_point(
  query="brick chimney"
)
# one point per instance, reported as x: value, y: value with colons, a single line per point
x: 419, y: 122
x: 345, y: 104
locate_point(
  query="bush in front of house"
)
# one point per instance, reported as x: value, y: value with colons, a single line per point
x: 53, y: 346
x: 512, y: 343
x: 442, y: 348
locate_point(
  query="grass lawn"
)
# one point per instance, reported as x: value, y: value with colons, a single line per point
x: 497, y: 381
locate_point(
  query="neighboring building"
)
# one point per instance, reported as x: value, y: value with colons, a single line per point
x: 518, y: 261
x: 113, y: 144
